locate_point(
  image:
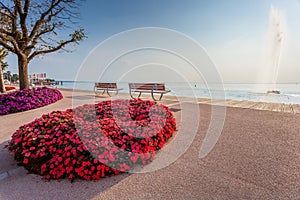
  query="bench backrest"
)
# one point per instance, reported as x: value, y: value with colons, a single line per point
x: 105, y: 85
x: 147, y: 86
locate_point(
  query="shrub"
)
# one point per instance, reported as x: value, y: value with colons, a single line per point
x: 28, y: 99
x: 93, y: 141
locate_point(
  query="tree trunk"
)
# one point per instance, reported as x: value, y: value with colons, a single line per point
x: 23, y: 72
x: 2, y: 88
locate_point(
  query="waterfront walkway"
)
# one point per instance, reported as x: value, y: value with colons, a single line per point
x: 256, y: 157
x: 277, y: 107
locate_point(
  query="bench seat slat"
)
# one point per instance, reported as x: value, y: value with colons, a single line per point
x: 150, y: 91
x: 111, y: 89
x: 105, y: 85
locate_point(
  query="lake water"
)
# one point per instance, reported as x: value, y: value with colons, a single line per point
x: 289, y: 93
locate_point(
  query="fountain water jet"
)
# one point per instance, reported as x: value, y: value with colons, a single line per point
x: 276, y: 41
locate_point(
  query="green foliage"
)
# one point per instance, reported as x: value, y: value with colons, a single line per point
x: 15, y: 78
x: 49, y: 80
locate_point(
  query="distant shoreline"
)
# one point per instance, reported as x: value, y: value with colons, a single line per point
x: 289, y: 93
x: 265, y: 106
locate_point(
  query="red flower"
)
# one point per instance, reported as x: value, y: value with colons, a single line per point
x: 77, y: 144
x: 71, y: 176
x: 59, y: 159
x: 27, y: 154
x: 25, y: 161
x: 124, y: 167
x: 134, y: 158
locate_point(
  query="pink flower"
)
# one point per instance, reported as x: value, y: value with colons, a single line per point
x: 25, y: 161
x: 57, y: 148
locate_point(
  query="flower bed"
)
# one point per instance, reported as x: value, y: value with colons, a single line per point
x: 93, y: 141
x: 9, y: 88
x: 28, y: 99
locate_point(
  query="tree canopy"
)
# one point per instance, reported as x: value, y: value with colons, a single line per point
x: 33, y: 27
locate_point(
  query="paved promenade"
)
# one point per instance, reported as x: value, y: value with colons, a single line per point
x: 256, y: 157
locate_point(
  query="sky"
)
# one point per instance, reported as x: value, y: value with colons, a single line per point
x: 234, y: 34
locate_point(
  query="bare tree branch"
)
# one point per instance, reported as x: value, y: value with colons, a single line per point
x: 26, y: 7
x: 18, y: 6
x: 61, y: 45
x: 42, y: 18
x: 23, y: 16
x: 3, y: 31
x: 38, y: 36
x: 14, y: 21
x: 30, y: 28
x: 3, y: 14
x: 5, y: 44
x: 75, y: 37
x: 6, y: 8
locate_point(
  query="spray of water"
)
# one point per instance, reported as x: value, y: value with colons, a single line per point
x: 276, y: 41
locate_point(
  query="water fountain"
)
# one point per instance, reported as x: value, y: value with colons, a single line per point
x: 276, y: 40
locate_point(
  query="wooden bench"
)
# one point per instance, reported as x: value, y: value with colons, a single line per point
x: 107, y: 87
x: 153, y: 88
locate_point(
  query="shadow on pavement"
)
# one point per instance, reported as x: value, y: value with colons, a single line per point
x: 87, y: 97
x: 7, y: 161
x: 21, y: 185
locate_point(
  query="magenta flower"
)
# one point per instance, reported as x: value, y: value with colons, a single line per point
x: 28, y: 99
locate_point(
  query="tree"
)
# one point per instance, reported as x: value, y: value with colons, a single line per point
x: 3, y: 66
x: 30, y: 28
x: 15, y: 78
x: 7, y: 75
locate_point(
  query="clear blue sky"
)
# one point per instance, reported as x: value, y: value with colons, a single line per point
x: 232, y: 31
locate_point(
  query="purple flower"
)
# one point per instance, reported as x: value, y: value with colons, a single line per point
x: 28, y: 99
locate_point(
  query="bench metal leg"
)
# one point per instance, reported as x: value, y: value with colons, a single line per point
x: 97, y: 92
x: 161, y: 95
x: 130, y: 92
x: 109, y: 94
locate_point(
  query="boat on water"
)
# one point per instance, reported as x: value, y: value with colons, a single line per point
x: 273, y: 92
